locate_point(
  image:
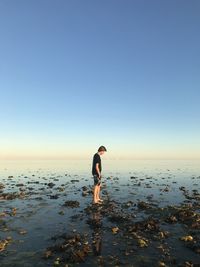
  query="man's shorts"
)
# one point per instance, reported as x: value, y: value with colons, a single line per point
x: 97, y: 180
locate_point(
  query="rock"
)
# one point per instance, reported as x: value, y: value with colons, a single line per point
x: 13, y: 212
x: 115, y: 230
x: 142, y: 243
x: 171, y: 219
x: 187, y: 238
x: 127, y: 204
x: 182, y: 188
x: 19, y: 185
x: 30, y: 188
x: 85, y: 188
x: 161, y: 264
x: 54, y: 196
x: 22, y: 232
x: 4, y: 243
x: 143, y: 205
x: 119, y: 218
x: 84, y: 193
x: 71, y: 204
x: 163, y: 234
x: 57, y: 262
x: 2, y: 186
x: 74, y: 181
x: 188, y: 264
x: 48, y: 254
x: 11, y: 196
x: 166, y: 189
x: 73, y: 249
x: 61, y: 189
x: 51, y: 185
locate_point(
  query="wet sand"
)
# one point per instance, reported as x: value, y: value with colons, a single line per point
x: 148, y: 218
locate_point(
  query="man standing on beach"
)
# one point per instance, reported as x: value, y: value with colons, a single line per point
x: 96, y: 172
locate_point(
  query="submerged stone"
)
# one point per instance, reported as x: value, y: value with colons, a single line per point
x: 71, y: 204
x: 73, y: 249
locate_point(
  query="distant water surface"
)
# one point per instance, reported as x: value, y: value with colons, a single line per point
x: 42, y: 215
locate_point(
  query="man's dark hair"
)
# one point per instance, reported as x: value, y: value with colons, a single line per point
x: 102, y: 148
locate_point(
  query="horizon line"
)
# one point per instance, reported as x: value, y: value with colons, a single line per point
x: 63, y: 159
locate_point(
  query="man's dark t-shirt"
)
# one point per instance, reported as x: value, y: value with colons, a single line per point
x: 96, y: 159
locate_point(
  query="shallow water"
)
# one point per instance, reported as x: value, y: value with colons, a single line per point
x: 42, y: 217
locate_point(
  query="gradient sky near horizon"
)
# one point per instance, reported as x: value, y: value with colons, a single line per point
x: 78, y: 74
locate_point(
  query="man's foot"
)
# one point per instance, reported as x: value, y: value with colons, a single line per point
x: 100, y: 200
x: 95, y: 202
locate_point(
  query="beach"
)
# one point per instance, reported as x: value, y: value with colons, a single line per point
x: 149, y: 217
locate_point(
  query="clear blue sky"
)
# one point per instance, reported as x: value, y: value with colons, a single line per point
x: 78, y: 74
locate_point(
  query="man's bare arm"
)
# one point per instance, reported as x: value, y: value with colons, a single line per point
x: 97, y: 169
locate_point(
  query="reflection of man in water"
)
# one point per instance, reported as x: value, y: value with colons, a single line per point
x: 96, y: 172
x: 97, y: 235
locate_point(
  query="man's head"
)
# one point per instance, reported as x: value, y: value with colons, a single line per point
x: 102, y: 150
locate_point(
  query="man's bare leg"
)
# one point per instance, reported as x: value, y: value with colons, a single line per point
x: 98, y: 187
x: 95, y: 194
x: 98, y: 193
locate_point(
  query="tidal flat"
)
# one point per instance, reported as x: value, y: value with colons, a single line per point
x: 150, y: 215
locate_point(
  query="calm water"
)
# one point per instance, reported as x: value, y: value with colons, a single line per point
x: 40, y: 215
x: 109, y: 166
